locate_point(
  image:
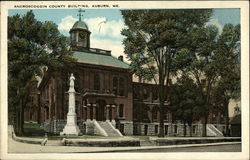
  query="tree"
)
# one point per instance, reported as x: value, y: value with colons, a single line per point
x: 228, y: 67
x: 209, y: 60
x: 186, y: 101
x: 31, y: 45
x: 152, y: 40
x: 202, y: 65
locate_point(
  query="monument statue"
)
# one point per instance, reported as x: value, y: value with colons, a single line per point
x: 71, y: 127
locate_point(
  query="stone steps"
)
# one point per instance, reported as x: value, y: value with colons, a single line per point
x: 109, y: 130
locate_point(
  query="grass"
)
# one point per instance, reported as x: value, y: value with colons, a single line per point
x: 33, y: 130
x: 142, y: 137
x: 74, y: 137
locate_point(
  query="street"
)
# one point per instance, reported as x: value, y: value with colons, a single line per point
x: 219, y: 148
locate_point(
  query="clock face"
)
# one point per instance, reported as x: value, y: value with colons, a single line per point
x: 82, y: 35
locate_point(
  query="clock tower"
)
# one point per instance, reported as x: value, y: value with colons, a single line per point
x: 80, y: 35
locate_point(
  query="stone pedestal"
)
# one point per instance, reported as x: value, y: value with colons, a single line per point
x: 71, y: 127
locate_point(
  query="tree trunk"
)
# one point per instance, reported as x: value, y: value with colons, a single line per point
x: 161, y: 97
x: 190, y: 130
x: 226, y: 102
x: 184, y: 129
x: 39, y: 109
x: 204, y: 127
x: 21, y: 118
x: 161, y: 133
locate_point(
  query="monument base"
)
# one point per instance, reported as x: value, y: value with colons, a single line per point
x: 70, y: 130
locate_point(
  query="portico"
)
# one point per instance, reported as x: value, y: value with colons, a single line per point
x: 100, y: 111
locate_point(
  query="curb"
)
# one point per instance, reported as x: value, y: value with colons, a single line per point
x: 30, y: 141
x: 166, y: 147
x: 98, y: 143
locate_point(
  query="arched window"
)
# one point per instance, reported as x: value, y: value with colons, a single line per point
x: 115, y: 85
x: 121, y: 86
x: 97, y: 85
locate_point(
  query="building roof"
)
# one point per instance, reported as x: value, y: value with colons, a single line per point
x: 80, y: 25
x: 236, y: 119
x: 104, y: 59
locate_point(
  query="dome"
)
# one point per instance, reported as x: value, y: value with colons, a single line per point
x: 80, y: 25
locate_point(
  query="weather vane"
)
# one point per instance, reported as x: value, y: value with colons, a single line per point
x: 80, y: 15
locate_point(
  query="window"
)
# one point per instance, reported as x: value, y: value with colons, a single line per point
x: 135, y: 112
x: 121, y: 87
x: 221, y: 115
x: 136, y: 92
x: 155, y: 113
x: 145, y: 93
x: 156, y: 129
x: 194, y: 129
x: 166, y: 115
x: 155, y: 94
x: 77, y: 82
x: 213, y: 117
x: 121, y: 110
x: 175, y: 129
x: 166, y: 129
x: 66, y: 80
x: 145, y: 113
x: 97, y: 85
x: 115, y: 85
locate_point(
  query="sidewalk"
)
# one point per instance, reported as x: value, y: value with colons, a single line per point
x: 19, y: 147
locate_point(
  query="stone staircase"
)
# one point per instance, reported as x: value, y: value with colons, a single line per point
x: 110, y: 129
x: 213, y: 131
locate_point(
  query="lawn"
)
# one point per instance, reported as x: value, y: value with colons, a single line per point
x: 142, y: 137
x: 33, y: 130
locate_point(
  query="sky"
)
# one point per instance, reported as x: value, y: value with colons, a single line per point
x: 106, y: 24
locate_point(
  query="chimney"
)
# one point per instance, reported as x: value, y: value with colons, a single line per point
x: 120, y: 58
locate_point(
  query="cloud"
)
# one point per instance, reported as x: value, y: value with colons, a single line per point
x: 100, y: 26
x: 66, y: 23
x: 217, y: 24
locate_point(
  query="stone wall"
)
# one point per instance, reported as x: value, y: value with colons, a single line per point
x: 90, y: 127
x: 128, y: 127
x: 153, y: 129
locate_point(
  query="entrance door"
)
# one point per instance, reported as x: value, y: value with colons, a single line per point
x: 100, y: 110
